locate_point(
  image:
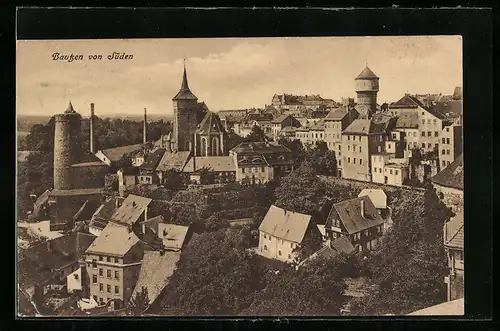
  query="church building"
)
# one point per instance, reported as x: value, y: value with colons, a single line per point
x: 196, y: 129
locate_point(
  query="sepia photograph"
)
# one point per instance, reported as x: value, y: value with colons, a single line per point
x: 276, y: 176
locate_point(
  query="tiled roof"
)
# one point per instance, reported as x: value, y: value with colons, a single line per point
x: 156, y: 270
x: 74, y: 192
x: 451, y: 176
x: 342, y: 245
x: 173, y: 160
x: 336, y: 114
x: 454, y: 232
x: 280, y: 119
x: 152, y: 160
x: 260, y: 148
x: 407, y: 121
x: 103, y: 213
x: 153, y: 222
x: 364, y: 126
x: 115, y: 240
x: 285, y: 224
x: 319, y: 126
x: 216, y: 163
x: 407, y: 101
x: 289, y: 129
x: 377, y: 196
x: 131, y: 209
x: 86, y: 211
x: 210, y: 124
x: 39, y: 262
x: 116, y: 153
x: 185, y: 93
x: 173, y: 236
x: 449, y: 308
x: 349, y: 213
x: 451, y: 108
x: 89, y: 164
x: 366, y: 74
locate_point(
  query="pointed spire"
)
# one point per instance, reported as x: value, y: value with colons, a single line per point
x: 70, y: 108
x: 184, y: 85
x: 185, y: 93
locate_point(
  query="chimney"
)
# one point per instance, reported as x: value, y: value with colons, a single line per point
x: 362, y: 207
x: 144, y: 129
x: 91, y: 124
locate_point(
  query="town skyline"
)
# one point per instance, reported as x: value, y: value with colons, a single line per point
x: 153, y: 76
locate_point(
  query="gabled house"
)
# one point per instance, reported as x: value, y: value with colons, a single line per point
x: 281, y: 122
x: 379, y: 200
x: 341, y: 245
x: 113, y: 155
x: 147, y: 170
x: 282, y: 231
x: 449, y: 184
x: 358, y: 220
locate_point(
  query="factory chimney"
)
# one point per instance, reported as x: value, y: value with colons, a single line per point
x: 144, y: 130
x: 92, y: 141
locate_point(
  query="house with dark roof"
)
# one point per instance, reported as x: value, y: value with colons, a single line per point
x: 53, y: 262
x: 340, y: 245
x: 282, y: 231
x: 281, y: 122
x: 449, y: 184
x: 407, y: 126
x: 454, y: 246
x: 358, y: 220
x: 147, y: 170
x: 223, y: 168
x: 261, y: 161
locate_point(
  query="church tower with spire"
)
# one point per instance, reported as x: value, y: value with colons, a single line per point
x: 186, y: 117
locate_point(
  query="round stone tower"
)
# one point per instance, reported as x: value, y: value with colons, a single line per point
x: 66, y: 146
x: 366, y: 90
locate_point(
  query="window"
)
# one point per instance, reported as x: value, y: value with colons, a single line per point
x: 360, y: 161
x: 390, y: 171
x: 94, y: 264
x: 414, y: 134
x: 434, y: 121
x: 262, y: 169
x: 423, y: 133
x: 380, y: 170
x: 75, y: 276
x: 101, y: 300
x: 108, y: 273
x: 94, y: 279
x: 348, y: 147
x: 360, y: 149
x: 242, y: 170
x: 101, y: 287
x: 444, y: 162
x: 289, y: 256
x: 265, y: 247
x: 340, y: 162
x: 117, y: 290
x: 340, y: 146
x: 429, y: 121
x: 443, y: 141
x: 448, y: 162
x: 116, y: 260
x: 291, y: 245
x: 348, y: 137
x: 447, y: 152
x: 108, y: 259
x: 100, y: 258
x: 354, y: 160
x: 423, y: 145
x: 101, y: 273
x: 447, y: 129
x: 279, y: 253
x: 359, y: 138
x: 423, y: 121
x: 443, y: 152
x: 265, y: 236
x: 116, y: 275
x: 108, y: 288
x: 448, y: 141
x: 397, y: 172
x: 429, y: 145
x: 393, y: 136
x: 429, y: 134
x: 423, y: 113
x: 348, y: 160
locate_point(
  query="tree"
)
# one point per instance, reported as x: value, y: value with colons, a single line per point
x: 215, y: 276
x: 323, y: 160
x: 301, y: 191
x: 409, y: 266
x: 256, y: 135
x: 215, y: 222
x: 314, y: 289
x: 296, y: 147
x: 207, y: 176
x: 172, y: 180
x: 140, y: 302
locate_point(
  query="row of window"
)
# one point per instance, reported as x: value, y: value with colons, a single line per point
x: 354, y: 138
x: 108, y: 275
x: 354, y: 160
x: 108, y: 288
x: 445, y: 151
x: 279, y: 252
x: 446, y: 141
x: 375, y: 169
x: 354, y: 148
x: 292, y: 245
x: 429, y: 121
x: 253, y: 170
x: 429, y: 133
x: 445, y: 163
x: 101, y: 259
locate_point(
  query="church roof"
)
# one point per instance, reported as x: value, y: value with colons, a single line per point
x: 70, y: 109
x: 211, y: 124
x: 366, y: 73
x: 185, y: 93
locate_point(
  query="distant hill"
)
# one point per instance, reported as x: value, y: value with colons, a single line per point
x: 25, y: 122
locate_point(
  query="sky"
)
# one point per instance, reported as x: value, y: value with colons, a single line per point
x: 229, y: 73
